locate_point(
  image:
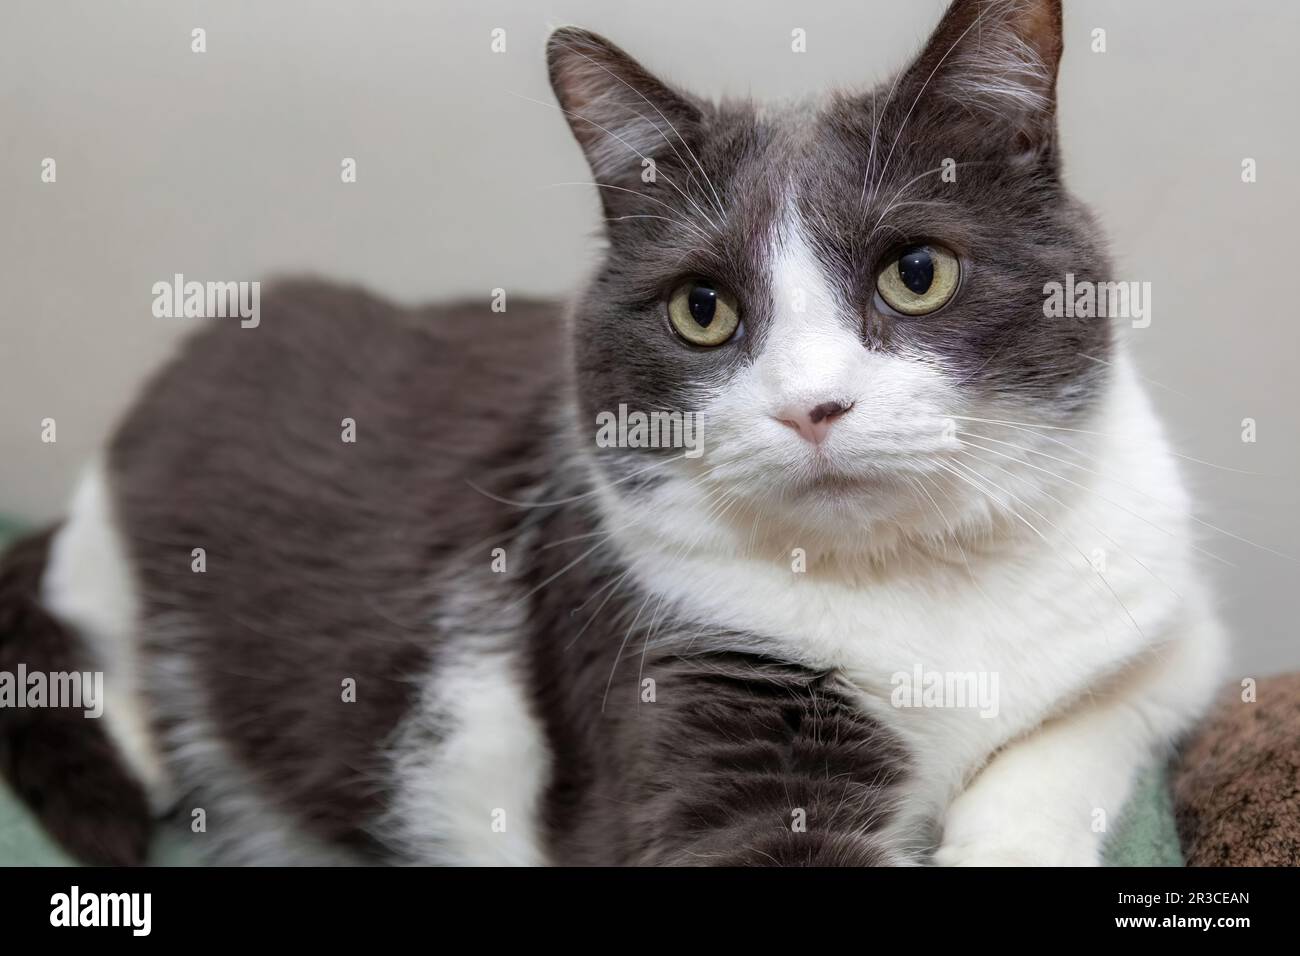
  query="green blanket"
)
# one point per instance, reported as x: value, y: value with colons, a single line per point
x: 1144, y: 836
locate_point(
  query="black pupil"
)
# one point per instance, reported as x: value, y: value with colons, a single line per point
x: 704, y: 304
x: 916, y: 269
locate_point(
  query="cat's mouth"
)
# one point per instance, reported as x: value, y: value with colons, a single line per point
x: 831, y: 482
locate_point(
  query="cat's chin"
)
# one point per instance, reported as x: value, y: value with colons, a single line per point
x: 842, y: 486
x: 839, y: 504
x: 826, y: 479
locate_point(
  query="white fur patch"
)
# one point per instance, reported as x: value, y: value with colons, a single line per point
x: 470, y: 766
x: 89, y: 585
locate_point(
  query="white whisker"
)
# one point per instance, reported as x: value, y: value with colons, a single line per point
x: 1083, y: 431
x: 1053, y: 525
x: 571, y: 498
x: 902, y: 126
x: 1116, y: 504
x: 1010, y: 474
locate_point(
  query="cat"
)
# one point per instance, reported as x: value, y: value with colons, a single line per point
x: 367, y: 589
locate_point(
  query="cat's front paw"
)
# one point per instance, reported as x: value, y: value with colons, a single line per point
x: 980, y: 831
x: 1044, y: 851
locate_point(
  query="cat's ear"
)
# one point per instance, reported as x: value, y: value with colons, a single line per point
x: 995, y: 61
x: 620, y: 114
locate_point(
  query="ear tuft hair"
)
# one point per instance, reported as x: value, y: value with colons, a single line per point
x: 998, y: 59
x: 620, y: 114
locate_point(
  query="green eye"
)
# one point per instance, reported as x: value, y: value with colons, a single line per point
x: 919, y: 281
x: 702, y: 314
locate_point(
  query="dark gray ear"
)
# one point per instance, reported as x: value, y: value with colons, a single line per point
x: 620, y: 114
x: 995, y: 61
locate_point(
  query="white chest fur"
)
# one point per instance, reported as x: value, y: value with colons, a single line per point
x: 1005, y: 631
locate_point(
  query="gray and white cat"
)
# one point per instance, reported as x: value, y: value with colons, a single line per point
x: 567, y: 653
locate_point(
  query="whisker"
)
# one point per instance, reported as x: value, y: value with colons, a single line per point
x: 697, y: 230
x: 679, y: 222
x: 955, y: 539
x: 1004, y: 506
x: 729, y: 498
x: 621, y: 648
x: 1053, y: 525
x: 885, y: 168
x: 614, y: 585
x: 1084, y: 431
x: 596, y: 613
x: 580, y: 537
x: 634, y: 192
x: 1149, y: 381
x: 572, y: 498
x: 895, y: 204
x: 572, y: 564
x: 1129, y: 554
x: 1116, y: 504
x: 875, y: 134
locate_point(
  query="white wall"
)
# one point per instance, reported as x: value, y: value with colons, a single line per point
x: 226, y: 165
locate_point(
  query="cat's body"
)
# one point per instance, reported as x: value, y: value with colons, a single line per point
x: 477, y: 691
x: 671, y: 659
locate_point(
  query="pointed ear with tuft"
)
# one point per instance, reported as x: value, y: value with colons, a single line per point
x: 620, y: 114
x: 995, y: 61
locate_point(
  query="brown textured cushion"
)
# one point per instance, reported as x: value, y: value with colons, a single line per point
x: 1237, y: 782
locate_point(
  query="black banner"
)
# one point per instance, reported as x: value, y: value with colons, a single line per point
x: 334, y: 906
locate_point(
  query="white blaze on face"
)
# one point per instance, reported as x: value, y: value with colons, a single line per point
x: 813, y: 352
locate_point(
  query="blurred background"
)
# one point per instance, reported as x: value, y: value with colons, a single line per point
x: 225, y: 165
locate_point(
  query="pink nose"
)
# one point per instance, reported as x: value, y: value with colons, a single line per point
x: 814, y: 424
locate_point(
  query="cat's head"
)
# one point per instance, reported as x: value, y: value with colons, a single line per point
x: 838, y: 290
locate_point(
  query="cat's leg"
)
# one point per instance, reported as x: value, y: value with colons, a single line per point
x: 742, y: 761
x: 64, y: 762
x: 1050, y: 797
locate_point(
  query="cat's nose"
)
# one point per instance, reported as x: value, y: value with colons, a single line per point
x: 813, y: 424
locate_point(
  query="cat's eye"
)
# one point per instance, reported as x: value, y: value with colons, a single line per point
x: 703, y: 314
x: 920, y: 280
